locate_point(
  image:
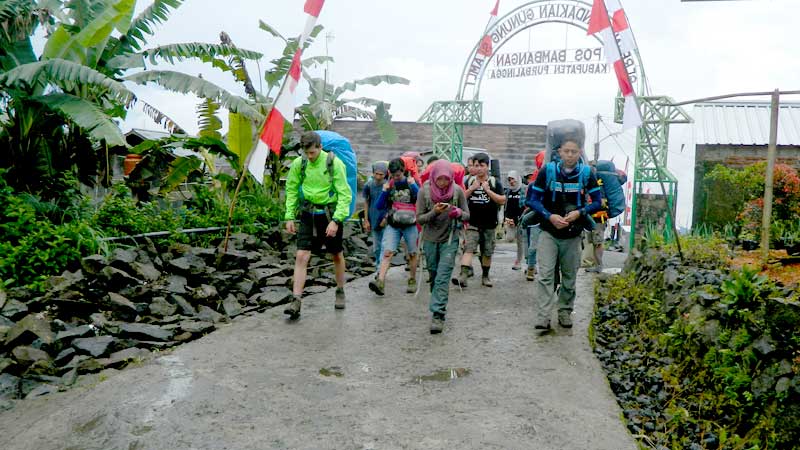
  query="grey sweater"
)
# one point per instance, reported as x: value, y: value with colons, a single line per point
x: 437, y: 226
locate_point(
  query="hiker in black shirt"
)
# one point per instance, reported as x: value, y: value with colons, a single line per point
x: 485, y: 195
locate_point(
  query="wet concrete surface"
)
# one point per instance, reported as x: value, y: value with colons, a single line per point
x: 368, y: 377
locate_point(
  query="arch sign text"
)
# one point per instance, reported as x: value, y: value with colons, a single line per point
x: 587, y: 60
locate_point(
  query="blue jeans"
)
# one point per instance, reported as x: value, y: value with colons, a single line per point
x: 533, y: 240
x: 392, y: 236
x: 377, y: 246
x: 440, y: 257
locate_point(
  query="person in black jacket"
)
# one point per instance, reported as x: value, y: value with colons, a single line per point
x: 559, y: 197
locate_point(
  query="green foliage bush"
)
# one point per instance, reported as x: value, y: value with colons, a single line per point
x: 119, y: 215
x: 724, y: 354
x: 727, y: 190
x: 702, y: 248
x: 39, y: 239
x: 735, y: 196
x: 32, y: 247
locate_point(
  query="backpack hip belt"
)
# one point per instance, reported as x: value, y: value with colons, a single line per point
x: 311, y: 208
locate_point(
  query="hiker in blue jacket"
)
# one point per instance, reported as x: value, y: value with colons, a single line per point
x: 559, y: 197
x: 399, y: 196
x: 374, y: 217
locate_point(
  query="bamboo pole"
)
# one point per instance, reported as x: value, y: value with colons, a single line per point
x: 768, y: 179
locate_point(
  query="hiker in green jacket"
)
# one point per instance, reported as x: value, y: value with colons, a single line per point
x: 317, y: 203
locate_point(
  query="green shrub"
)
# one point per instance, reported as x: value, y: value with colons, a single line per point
x: 736, y: 196
x: 39, y: 239
x: 710, y: 359
x: 32, y: 246
x: 49, y: 250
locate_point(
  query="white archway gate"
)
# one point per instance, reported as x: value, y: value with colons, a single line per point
x: 570, y: 12
x: 449, y: 117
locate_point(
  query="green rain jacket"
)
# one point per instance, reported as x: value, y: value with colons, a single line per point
x: 317, y: 185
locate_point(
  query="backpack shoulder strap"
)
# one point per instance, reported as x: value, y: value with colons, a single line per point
x: 492, y: 181
x: 329, y: 167
x: 586, y: 172
x: 550, y: 178
x: 583, y: 179
x: 303, y: 167
x: 550, y: 175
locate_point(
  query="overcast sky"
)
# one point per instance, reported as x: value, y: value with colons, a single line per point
x: 689, y: 50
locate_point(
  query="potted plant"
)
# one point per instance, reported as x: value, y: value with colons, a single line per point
x: 791, y: 238
x: 730, y: 235
x: 748, y: 239
x: 777, y: 233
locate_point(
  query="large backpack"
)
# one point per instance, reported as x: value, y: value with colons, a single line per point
x: 559, y: 131
x: 583, y: 178
x: 336, y: 145
x: 613, y: 180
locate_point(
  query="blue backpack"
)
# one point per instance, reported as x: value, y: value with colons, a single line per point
x: 338, y: 145
x: 612, y: 188
x: 583, y: 177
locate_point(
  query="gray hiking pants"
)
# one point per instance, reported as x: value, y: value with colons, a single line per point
x: 568, y: 253
x: 440, y: 257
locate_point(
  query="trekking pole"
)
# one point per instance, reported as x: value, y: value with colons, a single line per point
x: 419, y: 260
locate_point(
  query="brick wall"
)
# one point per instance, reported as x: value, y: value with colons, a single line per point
x: 514, y: 145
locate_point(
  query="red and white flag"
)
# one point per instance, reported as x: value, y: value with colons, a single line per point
x: 283, y: 110
x: 619, y: 23
x: 485, y: 48
x: 599, y: 23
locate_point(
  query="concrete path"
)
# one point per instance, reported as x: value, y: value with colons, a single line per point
x: 370, y: 377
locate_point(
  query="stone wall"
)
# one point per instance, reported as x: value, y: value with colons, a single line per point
x: 737, y: 157
x: 514, y: 145
x: 651, y: 212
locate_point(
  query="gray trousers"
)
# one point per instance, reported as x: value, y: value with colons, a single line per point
x: 440, y: 257
x: 568, y: 254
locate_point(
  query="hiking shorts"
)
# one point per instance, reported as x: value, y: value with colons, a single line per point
x: 598, y: 234
x: 392, y: 236
x: 480, y: 238
x: 311, y: 234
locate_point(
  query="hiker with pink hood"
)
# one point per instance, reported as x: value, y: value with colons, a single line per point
x: 441, y: 210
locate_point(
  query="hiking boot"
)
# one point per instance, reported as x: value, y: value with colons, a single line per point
x: 486, y: 281
x: 340, y: 298
x: 542, y: 324
x: 293, y: 309
x: 461, y: 280
x: 516, y: 266
x: 376, y: 286
x: 437, y: 325
x: 470, y: 272
x: 530, y: 274
x: 412, y: 286
x: 565, y: 318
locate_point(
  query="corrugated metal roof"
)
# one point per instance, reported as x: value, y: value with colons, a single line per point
x: 744, y: 123
x: 147, y: 134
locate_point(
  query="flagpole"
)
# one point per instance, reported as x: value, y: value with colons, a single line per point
x: 649, y: 146
x: 247, y: 162
x: 638, y: 55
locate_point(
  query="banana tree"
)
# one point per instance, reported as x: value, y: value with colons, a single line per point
x: 327, y: 103
x: 93, y: 48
